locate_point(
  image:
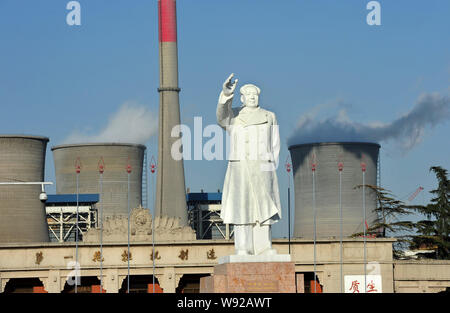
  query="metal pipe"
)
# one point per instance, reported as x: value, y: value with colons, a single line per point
x: 61, y: 226
x: 26, y: 183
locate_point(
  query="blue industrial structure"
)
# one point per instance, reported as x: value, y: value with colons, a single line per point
x: 208, y: 197
x: 87, y: 198
x: 61, y: 211
x: 204, y: 215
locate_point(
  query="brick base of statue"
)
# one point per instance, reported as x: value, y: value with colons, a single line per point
x: 251, y: 277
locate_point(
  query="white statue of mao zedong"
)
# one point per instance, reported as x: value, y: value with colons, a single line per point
x: 250, y: 198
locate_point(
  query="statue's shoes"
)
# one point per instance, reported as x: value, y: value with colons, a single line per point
x: 242, y: 252
x: 269, y: 252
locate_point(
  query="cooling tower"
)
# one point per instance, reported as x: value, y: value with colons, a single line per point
x: 116, y: 157
x: 326, y: 156
x: 22, y: 214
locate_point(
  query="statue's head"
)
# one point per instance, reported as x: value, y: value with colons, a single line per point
x: 250, y: 95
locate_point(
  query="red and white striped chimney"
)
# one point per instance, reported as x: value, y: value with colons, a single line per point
x: 170, y: 190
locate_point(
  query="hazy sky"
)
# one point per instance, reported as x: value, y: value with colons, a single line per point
x: 314, y: 61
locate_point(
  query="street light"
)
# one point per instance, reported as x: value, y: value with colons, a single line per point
x: 42, y: 196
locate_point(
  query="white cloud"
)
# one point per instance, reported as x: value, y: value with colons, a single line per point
x: 133, y: 123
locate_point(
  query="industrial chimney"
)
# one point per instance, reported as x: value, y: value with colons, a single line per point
x: 170, y: 190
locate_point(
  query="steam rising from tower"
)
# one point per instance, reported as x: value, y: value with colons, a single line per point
x: 170, y: 189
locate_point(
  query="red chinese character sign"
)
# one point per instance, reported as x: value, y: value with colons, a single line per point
x: 355, y: 284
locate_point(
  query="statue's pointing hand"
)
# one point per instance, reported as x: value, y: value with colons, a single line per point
x: 229, y: 86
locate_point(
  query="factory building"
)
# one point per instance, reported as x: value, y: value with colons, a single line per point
x: 180, y: 265
x: 62, y: 212
x: 204, y: 215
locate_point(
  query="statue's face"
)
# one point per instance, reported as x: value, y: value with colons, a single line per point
x: 250, y: 97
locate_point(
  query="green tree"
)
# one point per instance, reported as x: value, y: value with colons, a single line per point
x: 434, y: 231
x: 389, y: 211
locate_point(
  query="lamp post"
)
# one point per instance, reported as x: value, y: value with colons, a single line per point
x: 129, y: 215
x: 313, y: 170
x: 101, y: 169
x: 77, y: 170
x: 363, y: 169
x: 340, y: 168
x: 153, y: 170
x: 288, y: 171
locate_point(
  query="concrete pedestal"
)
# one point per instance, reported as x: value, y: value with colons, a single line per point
x: 266, y: 258
x: 248, y: 277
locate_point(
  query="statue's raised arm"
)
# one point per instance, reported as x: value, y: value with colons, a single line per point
x: 224, y: 112
x: 229, y: 86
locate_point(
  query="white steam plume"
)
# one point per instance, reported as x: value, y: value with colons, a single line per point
x: 131, y: 124
x: 407, y: 130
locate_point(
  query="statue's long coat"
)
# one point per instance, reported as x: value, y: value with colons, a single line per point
x: 250, y: 190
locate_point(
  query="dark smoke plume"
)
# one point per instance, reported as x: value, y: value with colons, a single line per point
x: 407, y: 130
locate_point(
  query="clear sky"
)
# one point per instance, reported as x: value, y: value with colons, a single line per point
x: 306, y: 56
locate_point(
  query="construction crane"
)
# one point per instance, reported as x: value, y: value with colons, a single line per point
x: 415, y: 193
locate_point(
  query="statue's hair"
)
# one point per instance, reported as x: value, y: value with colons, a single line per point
x: 243, y: 88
